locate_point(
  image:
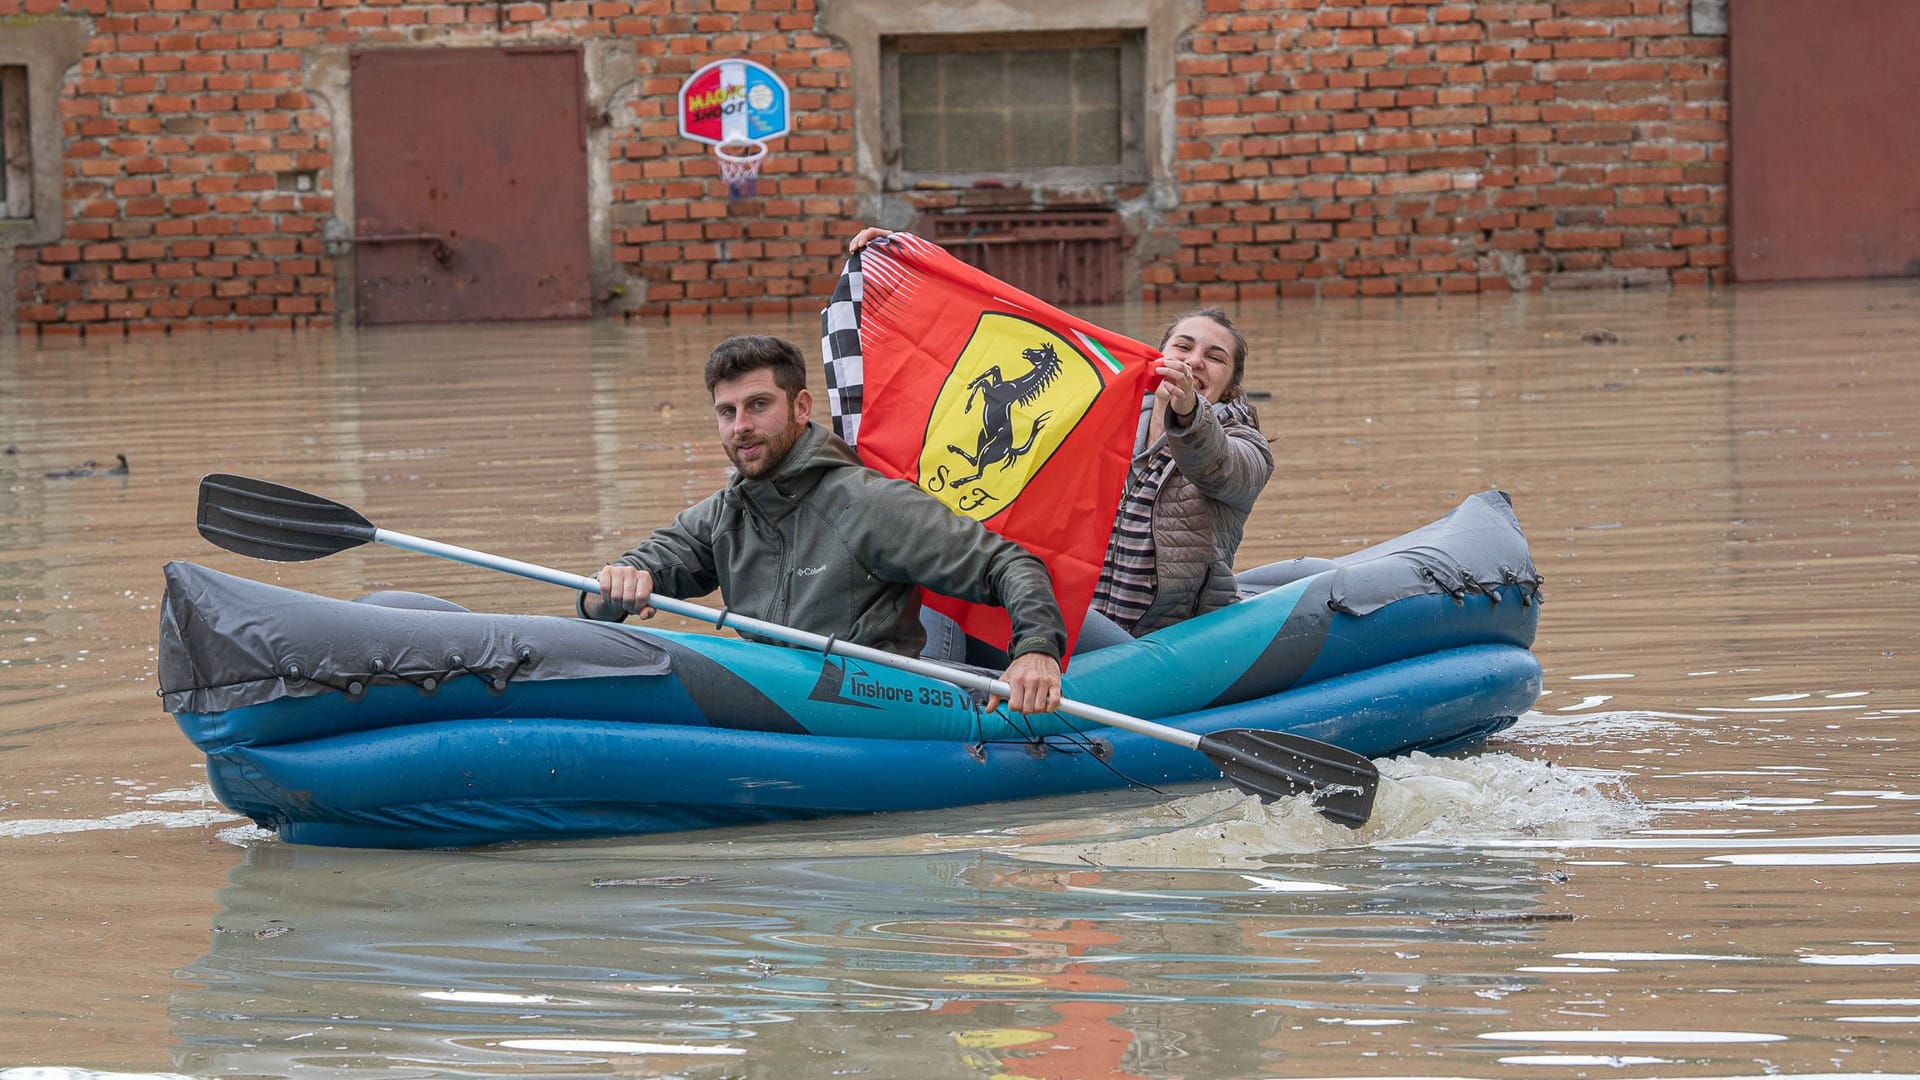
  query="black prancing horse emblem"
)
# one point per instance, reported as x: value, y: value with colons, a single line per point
x: 996, y: 444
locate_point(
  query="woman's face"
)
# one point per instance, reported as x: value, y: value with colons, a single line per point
x: 1206, y: 347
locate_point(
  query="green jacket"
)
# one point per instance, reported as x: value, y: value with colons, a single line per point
x: 827, y: 545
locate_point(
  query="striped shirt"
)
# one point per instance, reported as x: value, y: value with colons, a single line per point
x: 1127, y: 580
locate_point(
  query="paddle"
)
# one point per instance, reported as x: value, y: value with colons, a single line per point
x: 265, y: 520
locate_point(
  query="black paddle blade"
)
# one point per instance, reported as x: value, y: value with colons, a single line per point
x: 1274, y: 764
x: 271, y: 521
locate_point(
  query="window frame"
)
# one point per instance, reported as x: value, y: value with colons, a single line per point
x: 1130, y: 169
x: 43, y: 50
x: 860, y: 24
x: 16, y: 143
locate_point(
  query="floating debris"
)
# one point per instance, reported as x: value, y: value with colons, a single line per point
x: 89, y: 469
x: 1490, y: 917
x: 670, y: 881
x: 264, y: 933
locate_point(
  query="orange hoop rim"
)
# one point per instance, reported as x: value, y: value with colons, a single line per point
x: 740, y: 151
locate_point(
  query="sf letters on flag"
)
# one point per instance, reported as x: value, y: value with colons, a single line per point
x: 1008, y: 410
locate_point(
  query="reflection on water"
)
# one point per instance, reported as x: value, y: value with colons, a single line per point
x: 333, y: 959
x: 868, y: 947
x: 1695, y: 857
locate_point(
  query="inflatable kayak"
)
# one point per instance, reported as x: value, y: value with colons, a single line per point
x: 403, y: 721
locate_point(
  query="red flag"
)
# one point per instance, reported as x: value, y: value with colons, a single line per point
x: 1007, y: 409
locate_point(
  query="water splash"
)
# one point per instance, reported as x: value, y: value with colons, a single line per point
x: 1423, y: 800
x: 165, y: 819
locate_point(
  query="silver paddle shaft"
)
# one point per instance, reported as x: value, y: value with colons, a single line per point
x: 806, y: 639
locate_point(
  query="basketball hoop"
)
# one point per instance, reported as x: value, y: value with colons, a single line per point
x: 740, y: 165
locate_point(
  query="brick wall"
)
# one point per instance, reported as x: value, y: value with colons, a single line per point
x: 174, y: 124
x: 675, y: 233
x: 1325, y: 147
x: 183, y: 112
x: 1344, y: 147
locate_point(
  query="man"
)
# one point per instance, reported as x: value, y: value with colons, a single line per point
x: 806, y: 536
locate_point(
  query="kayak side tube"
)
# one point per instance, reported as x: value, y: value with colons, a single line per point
x: 458, y: 784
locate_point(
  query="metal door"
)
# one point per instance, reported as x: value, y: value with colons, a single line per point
x: 1063, y: 257
x: 1826, y: 138
x: 470, y: 185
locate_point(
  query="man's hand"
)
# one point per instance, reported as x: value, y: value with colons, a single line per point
x: 1034, y: 679
x: 623, y: 591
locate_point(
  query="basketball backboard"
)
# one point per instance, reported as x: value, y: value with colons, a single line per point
x: 734, y: 101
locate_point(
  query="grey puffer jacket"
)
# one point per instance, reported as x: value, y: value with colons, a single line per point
x: 1221, y: 464
x: 827, y: 545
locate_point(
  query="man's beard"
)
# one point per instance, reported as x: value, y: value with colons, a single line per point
x: 773, y: 450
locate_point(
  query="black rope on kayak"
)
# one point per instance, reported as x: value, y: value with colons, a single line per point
x: 1106, y: 759
x: 720, y: 621
x: 1079, y: 742
x: 1065, y: 744
x: 1035, y: 739
x: 427, y: 681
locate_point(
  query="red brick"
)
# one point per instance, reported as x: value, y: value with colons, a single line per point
x: 1594, y: 129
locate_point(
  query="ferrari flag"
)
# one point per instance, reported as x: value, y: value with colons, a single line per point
x: 1007, y: 409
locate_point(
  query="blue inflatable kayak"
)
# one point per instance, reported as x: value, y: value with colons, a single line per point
x: 402, y: 721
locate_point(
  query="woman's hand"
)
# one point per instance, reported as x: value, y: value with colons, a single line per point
x: 866, y: 236
x: 1176, y: 388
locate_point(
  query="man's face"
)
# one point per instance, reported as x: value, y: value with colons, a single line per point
x: 758, y: 425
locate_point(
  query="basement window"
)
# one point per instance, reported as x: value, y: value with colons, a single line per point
x: 16, y: 144
x: 1031, y: 109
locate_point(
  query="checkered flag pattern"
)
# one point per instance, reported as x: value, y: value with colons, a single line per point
x: 840, y: 347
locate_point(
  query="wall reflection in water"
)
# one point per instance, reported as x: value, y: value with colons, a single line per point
x: 563, y: 959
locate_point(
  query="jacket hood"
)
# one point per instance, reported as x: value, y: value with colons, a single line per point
x: 816, y: 453
x: 817, y: 450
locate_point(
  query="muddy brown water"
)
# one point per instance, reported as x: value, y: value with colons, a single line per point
x: 1698, y: 856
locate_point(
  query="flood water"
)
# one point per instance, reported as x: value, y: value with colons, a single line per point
x: 1699, y: 855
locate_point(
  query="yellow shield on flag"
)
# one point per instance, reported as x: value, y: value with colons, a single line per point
x: 1011, y: 399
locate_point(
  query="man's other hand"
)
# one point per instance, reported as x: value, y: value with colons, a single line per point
x: 1034, y: 679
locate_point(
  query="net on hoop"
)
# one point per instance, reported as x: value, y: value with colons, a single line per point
x: 740, y: 166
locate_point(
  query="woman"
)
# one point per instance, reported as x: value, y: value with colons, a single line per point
x: 1200, y: 464
x: 1196, y: 473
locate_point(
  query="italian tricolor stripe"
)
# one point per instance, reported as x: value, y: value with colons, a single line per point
x: 1100, y: 351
